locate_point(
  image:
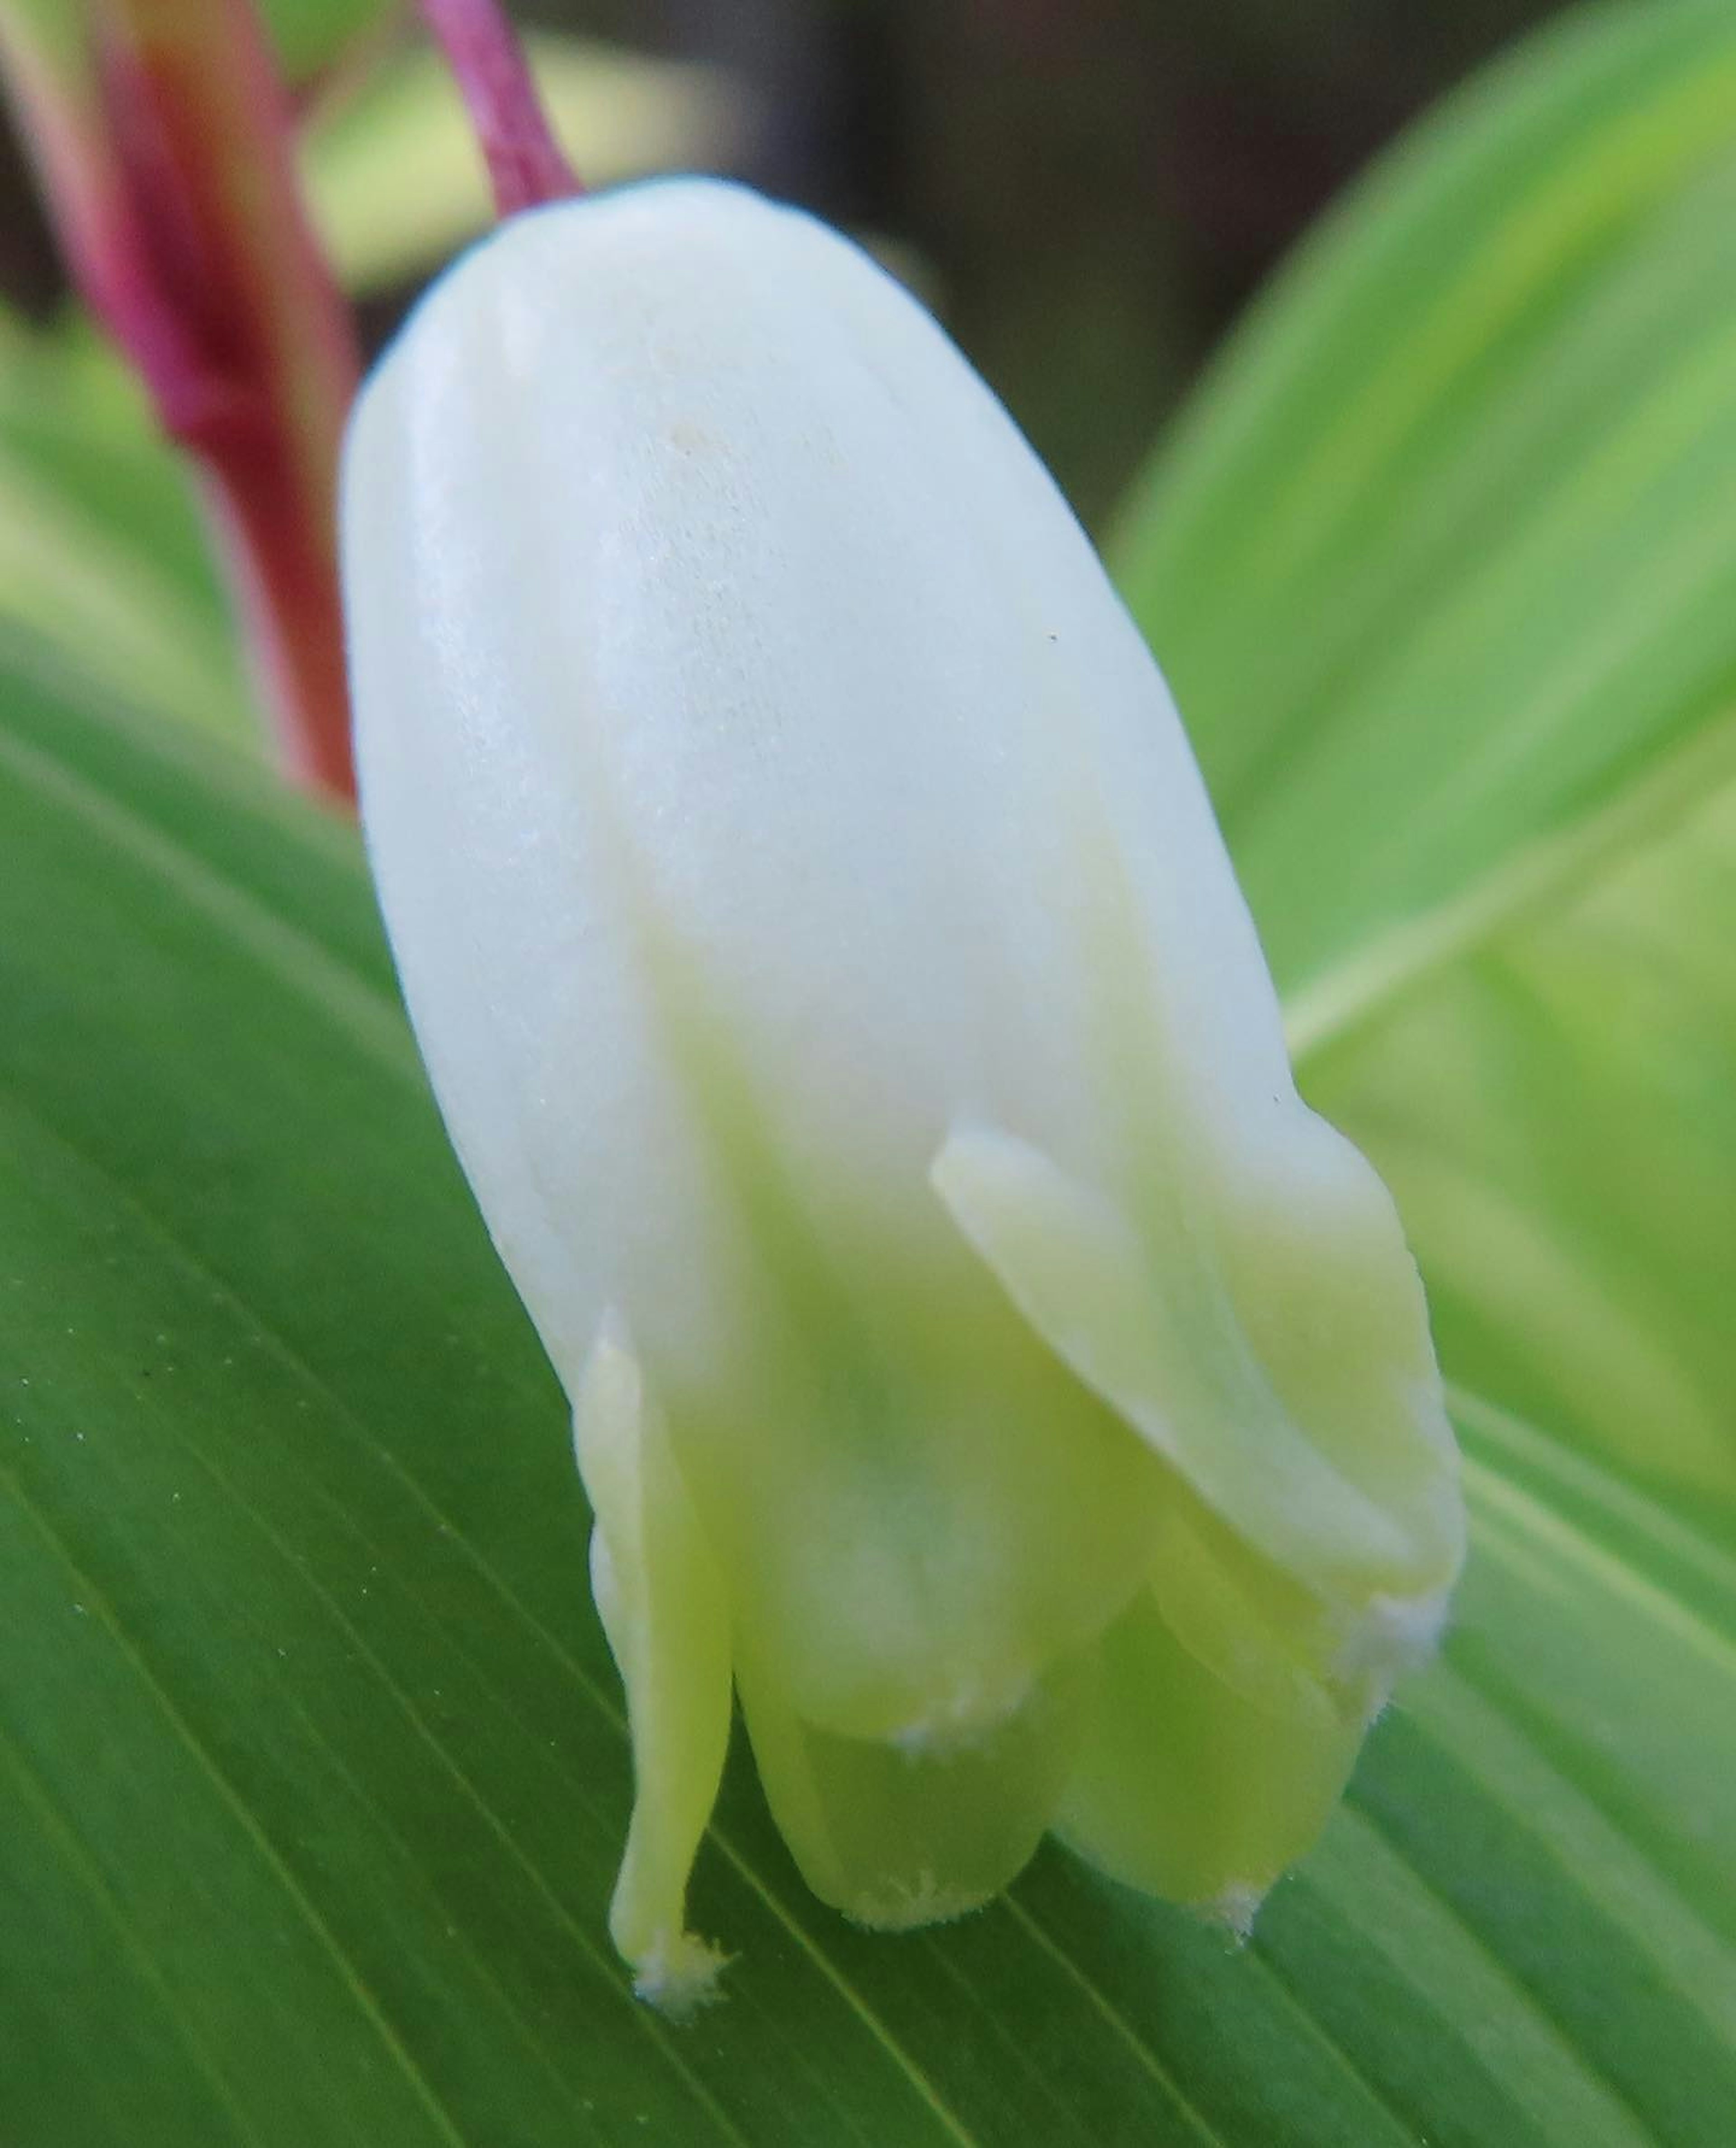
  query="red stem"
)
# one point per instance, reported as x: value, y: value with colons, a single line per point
x: 284, y: 573
x: 166, y: 152
x: 526, y: 164
x: 231, y: 315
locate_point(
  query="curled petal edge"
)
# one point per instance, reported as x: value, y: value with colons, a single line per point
x: 1165, y: 1345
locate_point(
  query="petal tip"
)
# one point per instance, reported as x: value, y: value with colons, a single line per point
x: 678, y: 1974
x: 901, y: 1907
x: 1234, y: 1911
x: 1394, y: 1636
x: 964, y: 1719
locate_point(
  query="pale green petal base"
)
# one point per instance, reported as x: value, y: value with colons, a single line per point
x: 1268, y: 1568
x: 1156, y: 1322
x: 1274, y: 1354
x: 1188, y: 1789
x: 666, y: 1613
x: 1150, y: 1324
x: 898, y: 1835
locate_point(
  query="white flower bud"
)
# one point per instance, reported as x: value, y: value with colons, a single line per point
x: 833, y: 981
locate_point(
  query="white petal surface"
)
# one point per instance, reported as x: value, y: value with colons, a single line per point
x: 824, y: 953
x: 717, y: 637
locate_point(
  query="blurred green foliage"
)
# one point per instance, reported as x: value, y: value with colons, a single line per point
x: 1093, y: 187
x: 395, y: 182
x: 1442, y: 564
x: 312, y: 34
x: 104, y: 563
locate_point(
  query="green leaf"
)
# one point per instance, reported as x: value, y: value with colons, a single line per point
x: 311, y: 1758
x: 393, y: 172
x: 1557, y: 1115
x: 103, y: 561
x: 1442, y: 565
x: 312, y: 1773
x: 1442, y: 553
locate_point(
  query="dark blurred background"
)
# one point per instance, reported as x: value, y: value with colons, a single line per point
x: 1088, y: 189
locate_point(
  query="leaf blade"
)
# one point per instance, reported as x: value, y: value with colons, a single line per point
x: 205, y: 1146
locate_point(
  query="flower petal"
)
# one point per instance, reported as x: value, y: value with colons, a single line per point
x: 901, y: 1835
x: 666, y: 1613
x: 1188, y: 1789
x: 1247, y: 1396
